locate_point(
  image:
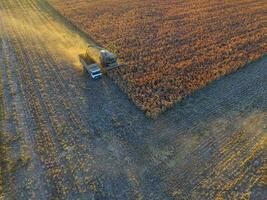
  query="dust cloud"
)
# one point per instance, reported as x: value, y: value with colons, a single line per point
x: 41, y: 31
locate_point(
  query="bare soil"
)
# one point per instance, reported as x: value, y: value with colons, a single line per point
x: 87, y: 140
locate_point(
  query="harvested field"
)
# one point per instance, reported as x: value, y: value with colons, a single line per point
x: 171, y: 48
x: 68, y: 137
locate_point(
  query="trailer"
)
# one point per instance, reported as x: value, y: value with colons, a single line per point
x: 90, y: 67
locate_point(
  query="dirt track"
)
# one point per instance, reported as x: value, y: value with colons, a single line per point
x: 87, y: 140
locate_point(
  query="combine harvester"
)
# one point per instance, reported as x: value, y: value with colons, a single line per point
x: 97, y: 60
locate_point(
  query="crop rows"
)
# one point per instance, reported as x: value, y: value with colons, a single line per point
x: 53, y: 109
x: 55, y: 128
x: 14, y: 153
x: 170, y: 49
x: 221, y: 178
x: 71, y: 137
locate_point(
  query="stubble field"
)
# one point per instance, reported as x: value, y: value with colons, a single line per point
x: 65, y: 136
x: 172, y: 48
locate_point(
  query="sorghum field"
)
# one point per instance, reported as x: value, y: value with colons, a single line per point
x: 66, y: 136
x: 171, y: 48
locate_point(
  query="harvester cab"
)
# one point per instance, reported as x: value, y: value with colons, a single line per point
x: 108, y: 60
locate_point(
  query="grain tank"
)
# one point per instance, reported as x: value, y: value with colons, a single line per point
x: 101, y: 56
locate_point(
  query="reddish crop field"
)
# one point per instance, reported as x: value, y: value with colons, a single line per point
x: 172, y: 48
x: 66, y: 136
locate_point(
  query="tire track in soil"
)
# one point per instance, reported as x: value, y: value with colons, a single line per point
x: 24, y: 123
x: 29, y: 72
x: 111, y: 150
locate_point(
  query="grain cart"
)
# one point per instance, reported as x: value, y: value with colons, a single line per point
x: 90, y: 67
x: 94, y: 71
